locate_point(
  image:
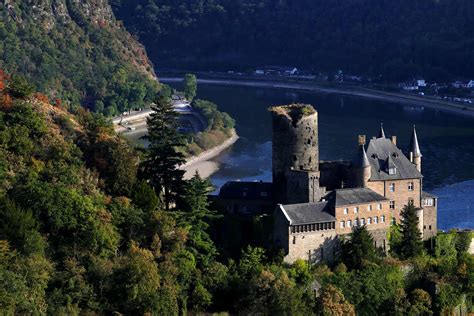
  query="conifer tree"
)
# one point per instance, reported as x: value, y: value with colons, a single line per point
x: 359, y: 248
x: 411, y: 243
x: 196, y: 217
x: 162, y: 157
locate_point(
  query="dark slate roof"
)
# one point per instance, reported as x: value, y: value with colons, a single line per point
x: 246, y: 190
x: 381, y: 131
x: 425, y: 195
x: 307, y: 213
x: 414, y: 147
x: 361, y: 160
x: 379, y: 150
x: 353, y: 196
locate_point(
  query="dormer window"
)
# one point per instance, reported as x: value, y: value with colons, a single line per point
x: 392, y: 170
x: 375, y: 156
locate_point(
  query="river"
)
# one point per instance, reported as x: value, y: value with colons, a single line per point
x: 446, y: 140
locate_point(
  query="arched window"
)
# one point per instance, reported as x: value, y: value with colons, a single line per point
x: 382, y: 219
x: 369, y: 220
x: 376, y: 220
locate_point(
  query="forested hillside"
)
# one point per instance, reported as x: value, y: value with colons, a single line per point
x: 85, y: 229
x: 397, y: 39
x: 75, y: 51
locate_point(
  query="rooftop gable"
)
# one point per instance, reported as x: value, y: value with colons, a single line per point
x: 307, y: 213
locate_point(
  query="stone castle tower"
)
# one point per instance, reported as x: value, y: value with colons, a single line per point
x: 296, y: 154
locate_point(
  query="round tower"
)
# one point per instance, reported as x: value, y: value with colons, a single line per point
x: 295, y: 153
x: 362, y: 165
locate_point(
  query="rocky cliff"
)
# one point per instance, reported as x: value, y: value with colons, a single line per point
x: 77, y: 50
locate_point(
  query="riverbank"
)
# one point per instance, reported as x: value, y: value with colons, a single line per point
x: 393, y: 97
x: 202, y: 163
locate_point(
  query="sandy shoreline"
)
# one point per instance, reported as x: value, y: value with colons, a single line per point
x: 201, y: 162
x: 399, y: 98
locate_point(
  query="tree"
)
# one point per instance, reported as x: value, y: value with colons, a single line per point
x: 420, y: 303
x: 411, y: 243
x: 19, y: 87
x: 332, y: 302
x: 162, y: 158
x: 190, y: 86
x: 359, y: 248
x: 196, y: 217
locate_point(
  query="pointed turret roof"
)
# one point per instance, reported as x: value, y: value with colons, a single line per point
x: 361, y: 160
x: 414, y: 147
x: 381, y: 132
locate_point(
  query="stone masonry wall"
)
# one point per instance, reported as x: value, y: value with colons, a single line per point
x: 316, y: 246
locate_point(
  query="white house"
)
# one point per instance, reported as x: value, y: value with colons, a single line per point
x: 420, y: 83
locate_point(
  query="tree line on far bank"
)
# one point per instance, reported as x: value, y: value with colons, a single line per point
x: 89, y: 225
x: 387, y: 40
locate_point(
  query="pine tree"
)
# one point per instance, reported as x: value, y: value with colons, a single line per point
x: 162, y: 158
x: 196, y: 216
x: 359, y: 249
x: 411, y: 243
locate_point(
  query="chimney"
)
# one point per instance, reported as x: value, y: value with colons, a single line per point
x: 394, y: 140
x: 361, y: 140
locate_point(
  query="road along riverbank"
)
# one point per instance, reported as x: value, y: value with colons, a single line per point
x: 400, y: 98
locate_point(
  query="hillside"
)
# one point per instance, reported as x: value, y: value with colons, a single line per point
x: 395, y: 39
x: 75, y: 51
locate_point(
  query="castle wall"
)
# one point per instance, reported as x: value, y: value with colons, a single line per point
x: 316, y: 246
x: 364, y: 213
x: 430, y: 215
x: 401, y: 195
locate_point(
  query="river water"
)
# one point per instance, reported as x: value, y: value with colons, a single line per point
x: 446, y: 140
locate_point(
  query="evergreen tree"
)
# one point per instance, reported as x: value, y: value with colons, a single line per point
x: 359, y: 248
x: 411, y: 243
x: 162, y: 158
x: 190, y: 86
x: 196, y: 217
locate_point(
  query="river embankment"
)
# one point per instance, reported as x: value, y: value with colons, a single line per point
x: 203, y: 163
x: 359, y: 91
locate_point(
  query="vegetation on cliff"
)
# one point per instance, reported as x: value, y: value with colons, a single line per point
x: 395, y: 39
x: 76, y: 51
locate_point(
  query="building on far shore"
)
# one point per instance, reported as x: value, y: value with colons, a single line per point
x: 318, y: 203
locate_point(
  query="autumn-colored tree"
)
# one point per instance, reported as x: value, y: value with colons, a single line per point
x: 41, y: 97
x: 332, y: 302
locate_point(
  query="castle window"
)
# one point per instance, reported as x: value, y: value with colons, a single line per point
x: 376, y: 220
x: 382, y: 219
x: 294, y: 240
x: 343, y: 224
x: 424, y: 226
x: 392, y: 187
x: 346, y: 210
x: 356, y: 210
x: 356, y: 222
x: 428, y: 202
x: 411, y: 201
x: 394, y: 221
x: 392, y: 171
x: 369, y: 221
x: 392, y: 205
x: 369, y: 208
x: 349, y: 223
x: 430, y: 227
x: 379, y: 206
x: 411, y: 185
x: 362, y: 222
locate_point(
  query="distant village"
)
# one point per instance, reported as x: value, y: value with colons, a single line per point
x: 459, y: 91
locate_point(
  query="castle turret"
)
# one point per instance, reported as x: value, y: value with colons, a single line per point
x: 414, y: 152
x: 295, y: 154
x: 381, y: 131
x: 362, y: 165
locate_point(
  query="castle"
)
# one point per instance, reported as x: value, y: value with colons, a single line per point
x: 315, y: 203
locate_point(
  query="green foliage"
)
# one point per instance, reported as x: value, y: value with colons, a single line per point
x: 162, y: 158
x: 190, y: 86
x: 215, y: 120
x: 75, y: 56
x: 411, y: 244
x: 331, y: 302
x: 359, y: 250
